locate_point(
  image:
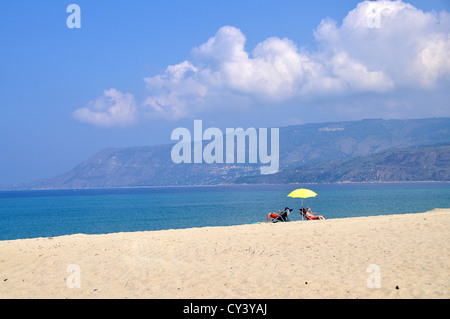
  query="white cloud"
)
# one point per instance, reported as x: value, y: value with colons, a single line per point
x: 432, y: 61
x: 271, y: 71
x: 226, y: 71
x: 408, y: 45
x: 380, y: 47
x: 113, y: 108
x: 172, y: 91
x: 344, y: 75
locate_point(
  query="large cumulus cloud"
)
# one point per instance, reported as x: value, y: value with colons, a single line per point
x: 380, y: 48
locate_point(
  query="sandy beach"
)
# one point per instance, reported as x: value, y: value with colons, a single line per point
x: 392, y: 256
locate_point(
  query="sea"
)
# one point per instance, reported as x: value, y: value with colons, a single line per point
x: 49, y: 213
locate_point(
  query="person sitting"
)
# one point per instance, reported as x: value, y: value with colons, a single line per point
x: 272, y: 215
x: 308, y: 214
x: 285, y: 214
x: 282, y: 216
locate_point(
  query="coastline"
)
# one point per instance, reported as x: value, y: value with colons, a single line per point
x: 212, y: 185
x: 313, y: 259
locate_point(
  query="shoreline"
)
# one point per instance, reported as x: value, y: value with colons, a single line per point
x: 214, y: 185
x: 214, y: 226
x: 313, y: 259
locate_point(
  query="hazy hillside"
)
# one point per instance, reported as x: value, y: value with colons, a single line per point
x: 299, y: 145
x: 309, y: 143
x: 423, y: 163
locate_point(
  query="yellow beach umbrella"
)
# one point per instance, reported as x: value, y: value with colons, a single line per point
x: 302, y: 193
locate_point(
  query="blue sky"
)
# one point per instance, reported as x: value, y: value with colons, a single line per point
x: 162, y: 64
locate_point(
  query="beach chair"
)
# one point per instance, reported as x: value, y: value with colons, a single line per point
x: 281, y: 216
x: 284, y: 216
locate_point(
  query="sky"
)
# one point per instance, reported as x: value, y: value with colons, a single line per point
x: 136, y: 70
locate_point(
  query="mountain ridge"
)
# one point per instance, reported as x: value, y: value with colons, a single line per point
x: 419, y: 163
x: 300, y: 146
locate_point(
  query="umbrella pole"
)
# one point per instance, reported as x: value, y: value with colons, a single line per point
x: 302, y: 210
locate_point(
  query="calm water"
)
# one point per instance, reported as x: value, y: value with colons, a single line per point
x: 28, y: 214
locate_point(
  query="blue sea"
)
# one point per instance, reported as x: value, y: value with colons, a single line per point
x: 49, y: 213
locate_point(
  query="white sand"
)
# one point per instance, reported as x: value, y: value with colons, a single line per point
x: 310, y: 259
